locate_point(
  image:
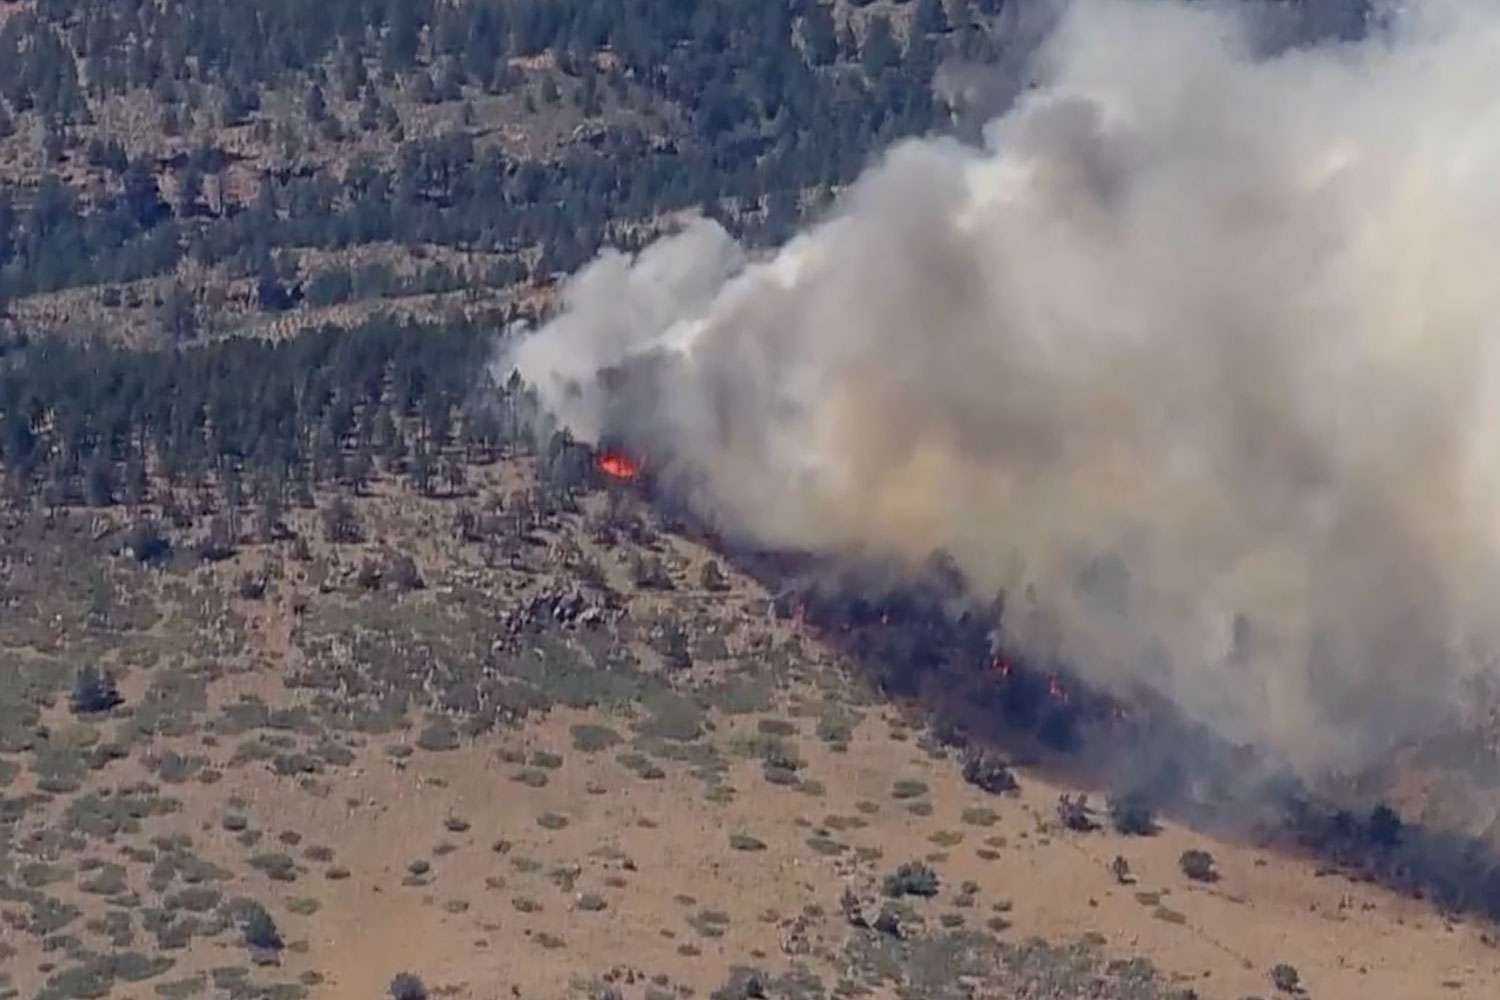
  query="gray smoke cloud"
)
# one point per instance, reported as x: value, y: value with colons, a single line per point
x: 1199, y: 346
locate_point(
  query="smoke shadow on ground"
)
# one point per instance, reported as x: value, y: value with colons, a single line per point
x: 927, y: 645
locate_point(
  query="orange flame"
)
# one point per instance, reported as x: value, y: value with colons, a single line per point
x: 618, y: 466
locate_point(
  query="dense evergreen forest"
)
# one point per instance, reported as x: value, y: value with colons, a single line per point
x: 751, y: 109
x: 247, y: 421
x: 769, y: 101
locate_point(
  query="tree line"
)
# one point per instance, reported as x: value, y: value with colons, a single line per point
x: 254, y: 421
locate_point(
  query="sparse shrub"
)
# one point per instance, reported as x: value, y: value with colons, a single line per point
x: 440, y: 734
x: 908, y: 789
x: 276, y: 866
x: 406, y: 986
x: 1198, y: 866
x: 588, y: 738
x: 911, y: 879
x: 1120, y: 868
x: 1286, y: 979
x: 94, y: 691
x: 979, y: 816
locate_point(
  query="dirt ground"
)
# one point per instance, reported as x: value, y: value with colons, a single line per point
x: 652, y: 845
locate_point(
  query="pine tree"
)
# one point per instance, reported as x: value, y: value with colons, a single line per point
x: 819, y: 35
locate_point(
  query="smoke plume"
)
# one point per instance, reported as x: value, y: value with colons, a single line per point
x: 1195, y: 350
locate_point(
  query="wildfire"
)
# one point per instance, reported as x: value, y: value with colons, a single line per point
x: 1001, y: 666
x: 619, y: 466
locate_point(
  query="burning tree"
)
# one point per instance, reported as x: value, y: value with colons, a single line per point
x: 618, y: 466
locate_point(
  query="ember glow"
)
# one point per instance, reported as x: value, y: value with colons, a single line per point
x: 618, y: 466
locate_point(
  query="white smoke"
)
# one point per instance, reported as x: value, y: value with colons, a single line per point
x: 1198, y: 337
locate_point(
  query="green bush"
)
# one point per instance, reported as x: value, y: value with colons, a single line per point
x: 911, y: 879
x: 1198, y: 866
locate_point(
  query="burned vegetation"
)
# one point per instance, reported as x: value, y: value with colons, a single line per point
x: 922, y: 638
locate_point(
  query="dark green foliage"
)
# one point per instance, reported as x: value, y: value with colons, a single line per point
x: 146, y: 541
x: 769, y: 101
x: 1198, y: 866
x: 589, y: 738
x: 1286, y: 978
x: 246, y: 414
x: 440, y: 734
x: 911, y: 879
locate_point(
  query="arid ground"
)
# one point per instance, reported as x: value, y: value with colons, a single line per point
x: 528, y: 775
